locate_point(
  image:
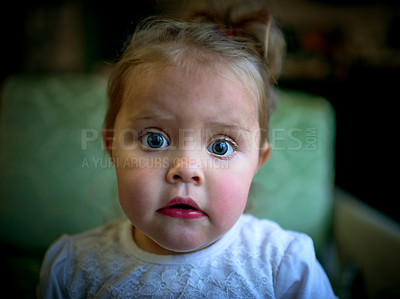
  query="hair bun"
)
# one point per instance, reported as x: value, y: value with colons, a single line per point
x: 247, y: 21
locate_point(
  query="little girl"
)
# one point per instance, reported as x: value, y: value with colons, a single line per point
x: 186, y: 129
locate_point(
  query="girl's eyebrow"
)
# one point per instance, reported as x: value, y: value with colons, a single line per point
x: 226, y: 126
x: 211, y: 125
x: 148, y: 117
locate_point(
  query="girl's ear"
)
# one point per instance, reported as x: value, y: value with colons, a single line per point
x: 108, y: 138
x: 265, y: 151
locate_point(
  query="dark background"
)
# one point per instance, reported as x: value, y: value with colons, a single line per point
x: 346, y: 51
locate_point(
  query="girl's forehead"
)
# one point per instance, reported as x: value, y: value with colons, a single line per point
x: 198, y: 77
x: 183, y: 89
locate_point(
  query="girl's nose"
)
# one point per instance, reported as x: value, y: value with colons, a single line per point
x: 184, y: 171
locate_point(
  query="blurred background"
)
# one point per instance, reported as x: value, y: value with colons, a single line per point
x: 345, y: 50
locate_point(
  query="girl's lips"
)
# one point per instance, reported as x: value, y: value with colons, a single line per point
x: 182, y: 207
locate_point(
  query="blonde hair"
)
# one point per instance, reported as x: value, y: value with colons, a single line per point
x: 237, y: 45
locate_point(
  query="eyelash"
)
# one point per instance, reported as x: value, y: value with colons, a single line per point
x: 147, y: 133
x: 166, y: 142
x: 232, y: 144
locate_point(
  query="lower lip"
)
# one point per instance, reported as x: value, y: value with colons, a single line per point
x: 181, y: 213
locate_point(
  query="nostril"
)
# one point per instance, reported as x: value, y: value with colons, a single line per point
x: 177, y: 177
x: 184, y: 175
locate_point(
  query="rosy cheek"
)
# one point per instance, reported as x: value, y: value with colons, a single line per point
x: 230, y: 197
x: 134, y: 188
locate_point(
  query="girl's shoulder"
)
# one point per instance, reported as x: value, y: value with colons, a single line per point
x: 272, y: 245
x: 75, y: 258
x: 290, y: 256
x: 100, y: 241
x: 96, y: 237
x: 267, y: 233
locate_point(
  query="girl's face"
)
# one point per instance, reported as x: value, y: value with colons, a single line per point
x: 186, y: 146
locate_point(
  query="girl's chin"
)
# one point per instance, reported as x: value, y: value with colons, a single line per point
x: 170, y: 245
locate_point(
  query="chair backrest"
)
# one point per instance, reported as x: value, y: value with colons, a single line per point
x: 55, y: 176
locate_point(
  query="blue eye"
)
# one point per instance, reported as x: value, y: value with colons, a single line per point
x: 221, y: 148
x: 155, y: 140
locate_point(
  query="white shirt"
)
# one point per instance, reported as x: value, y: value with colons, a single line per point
x: 254, y: 259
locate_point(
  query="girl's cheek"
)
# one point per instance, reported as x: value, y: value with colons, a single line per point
x: 136, y: 193
x: 231, y: 196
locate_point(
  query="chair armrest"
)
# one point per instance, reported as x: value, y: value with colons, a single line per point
x: 370, y: 241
